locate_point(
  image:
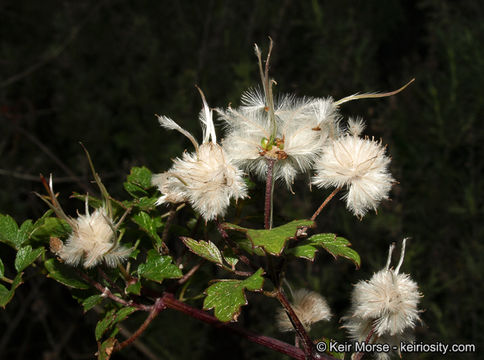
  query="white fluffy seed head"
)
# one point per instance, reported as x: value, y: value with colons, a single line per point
x: 389, y: 300
x: 386, y: 304
x: 92, y: 241
x: 309, y: 306
x: 358, y: 164
x: 206, y: 178
x: 301, y: 128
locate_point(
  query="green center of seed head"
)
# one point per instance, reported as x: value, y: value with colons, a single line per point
x: 267, y: 144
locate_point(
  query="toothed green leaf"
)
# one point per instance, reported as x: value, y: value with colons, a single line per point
x: 272, y: 241
x: 158, y: 267
x: 26, y: 256
x: 227, y: 297
x: 207, y: 250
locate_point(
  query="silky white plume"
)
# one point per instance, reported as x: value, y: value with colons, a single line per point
x: 206, y: 178
x: 386, y: 305
x: 360, y: 165
x: 92, y: 241
x: 301, y: 128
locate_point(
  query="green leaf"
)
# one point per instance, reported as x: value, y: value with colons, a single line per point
x: 26, y: 256
x: 134, y: 288
x: 138, y: 181
x: 64, y: 274
x: 104, y: 324
x: 2, y: 268
x: 112, y: 318
x: 305, y: 249
x: 140, y: 176
x: 228, y: 296
x: 336, y: 246
x: 91, y: 301
x: 144, y: 203
x: 7, y: 295
x: 272, y: 241
x: 230, y: 257
x: 49, y: 227
x: 10, y: 234
x: 159, y: 267
x: 207, y: 250
x: 105, y: 349
x: 149, y: 225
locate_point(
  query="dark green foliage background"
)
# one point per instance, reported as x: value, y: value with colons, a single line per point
x: 96, y: 72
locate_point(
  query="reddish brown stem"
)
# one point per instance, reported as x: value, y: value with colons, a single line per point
x: 106, y: 292
x: 271, y: 343
x: 268, y: 198
x: 189, y: 274
x: 155, y: 310
x: 359, y: 355
x: 307, y: 343
x: 325, y: 202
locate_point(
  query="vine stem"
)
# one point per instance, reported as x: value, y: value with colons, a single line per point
x: 271, y: 343
x: 325, y: 202
x: 155, y: 310
x: 268, y: 198
x: 107, y: 293
x: 359, y: 355
x: 307, y: 343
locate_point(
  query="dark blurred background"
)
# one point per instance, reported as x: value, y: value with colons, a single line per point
x: 98, y: 71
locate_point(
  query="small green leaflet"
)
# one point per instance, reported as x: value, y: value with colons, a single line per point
x: 207, y: 250
x: 336, y: 246
x: 149, y: 225
x: 26, y: 256
x: 10, y: 233
x: 111, y: 318
x: 64, y: 274
x: 230, y: 257
x: 105, y: 350
x: 272, y: 241
x: 227, y: 296
x: 138, y: 181
x: 7, y: 295
x: 48, y: 227
x: 91, y: 301
x: 158, y: 267
x: 134, y: 288
x: 2, y: 268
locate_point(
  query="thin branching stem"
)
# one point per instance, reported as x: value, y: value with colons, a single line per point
x: 325, y: 202
x: 105, y: 291
x: 271, y: 343
x: 155, y: 310
x: 359, y: 355
x: 307, y: 343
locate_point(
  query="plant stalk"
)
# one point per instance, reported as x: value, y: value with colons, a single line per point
x: 325, y: 202
x: 269, y: 192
